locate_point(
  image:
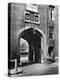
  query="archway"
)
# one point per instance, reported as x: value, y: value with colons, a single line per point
x: 33, y: 37
x: 43, y: 38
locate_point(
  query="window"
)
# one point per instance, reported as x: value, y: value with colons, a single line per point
x: 29, y: 7
x: 27, y: 16
x: 51, y: 29
x: 32, y: 7
x: 36, y: 18
x: 51, y: 13
x: 50, y: 35
x: 51, y: 32
x: 32, y: 16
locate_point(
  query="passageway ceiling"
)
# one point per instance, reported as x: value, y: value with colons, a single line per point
x: 32, y: 36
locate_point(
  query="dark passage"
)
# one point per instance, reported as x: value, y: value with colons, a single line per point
x: 34, y: 39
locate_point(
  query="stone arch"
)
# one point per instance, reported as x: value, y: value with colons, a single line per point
x: 39, y: 30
